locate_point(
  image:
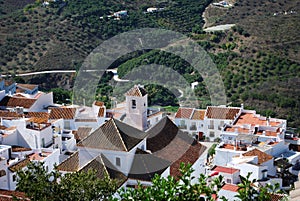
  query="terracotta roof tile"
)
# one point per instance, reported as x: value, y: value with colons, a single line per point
x: 145, y: 166
x: 113, y: 135
x: 221, y: 112
x: 82, y: 133
x: 8, y: 101
x: 19, y: 165
x: 86, y: 120
x: 198, y: 114
x: 168, y: 142
x: 12, y: 195
x: 161, y: 134
x: 227, y: 170
x: 27, y: 86
x: 7, y: 114
x: 262, y: 156
x: 71, y: 164
x: 19, y: 149
x: 99, y: 103
x: 230, y: 187
x: 184, y: 113
x: 104, y: 168
x: 62, y: 113
x: 44, y: 115
x: 252, y: 119
x: 136, y: 91
x: 191, y: 155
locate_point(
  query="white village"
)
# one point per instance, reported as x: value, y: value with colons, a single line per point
x: 133, y: 142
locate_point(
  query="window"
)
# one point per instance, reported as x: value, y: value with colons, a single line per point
x: 264, y: 174
x: 2, y: 173
x: 211, y: 134
x: 133, y: 104
x: 118, y: 161
x: 211, y: 124
x: 228, y: 181
x: 14, y: 178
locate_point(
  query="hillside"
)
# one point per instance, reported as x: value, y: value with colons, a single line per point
x: 258, y: 59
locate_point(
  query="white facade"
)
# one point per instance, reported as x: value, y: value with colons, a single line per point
x: 136, y: 111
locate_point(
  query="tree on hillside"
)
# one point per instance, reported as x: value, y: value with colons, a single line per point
x: 39, y: 184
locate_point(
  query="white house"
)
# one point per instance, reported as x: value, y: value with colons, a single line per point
x: 190, y: 120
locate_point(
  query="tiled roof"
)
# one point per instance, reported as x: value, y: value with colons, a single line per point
x: 27, y: 86
x: 221, y: 112
x: 71, y: 164
x: 62, y: 113
x: 252, y: 119
x: 104, y: 168
x: 9, y: 82
x: 99, y: 103
x: 168, y: 142
x: 277, y: 197
x: 6, y: 195
x: 44, y: 115
x: 39, y: 156
x: 184, y: 113
x: 85, y: 120
x: 198, y: 115
x: 191, y: 155
x: 19, y: 148
x: 8, y: 101
x: 161, y: 134
x: 262, y: 156
x: 145, y: 166
x: 136, y: 91
x: 19, y: 165
x: 230, y: 187
x: 82, y: 133
x: 8, y: 114
x: 38, y: 120
x: 113, y: 135
x: 101, y: 112
x: 227, y: 170
x: 237, y: 129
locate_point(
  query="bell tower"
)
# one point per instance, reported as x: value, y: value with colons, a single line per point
x: 136, y: 107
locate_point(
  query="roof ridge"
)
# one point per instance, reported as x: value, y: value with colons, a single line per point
x: 113, y: 120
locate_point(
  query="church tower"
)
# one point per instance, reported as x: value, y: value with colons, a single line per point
x: 136, y: 107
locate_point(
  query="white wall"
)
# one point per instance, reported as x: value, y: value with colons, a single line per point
x: 52, y: 159
x: 43, y: 101
x: 224, y: 156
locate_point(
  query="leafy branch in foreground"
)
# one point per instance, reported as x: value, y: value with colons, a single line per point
x: 39, y: 184
x: 171, y: 188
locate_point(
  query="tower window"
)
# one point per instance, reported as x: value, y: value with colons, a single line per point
x: 133, y: 106
x: 118, y: 161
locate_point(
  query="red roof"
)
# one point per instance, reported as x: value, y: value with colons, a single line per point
x: 227, y: 170
x: 184, y: 113
x: 230, y: 187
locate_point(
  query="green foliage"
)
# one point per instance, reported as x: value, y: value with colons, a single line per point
x: 171, y: 188
x: 61, y: 95
x: 39, y: 184
x: 158, y: 95
x: 249, y: 191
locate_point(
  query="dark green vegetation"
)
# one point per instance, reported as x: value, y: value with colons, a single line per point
x: 38, y: 184
x: 258, y: 59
